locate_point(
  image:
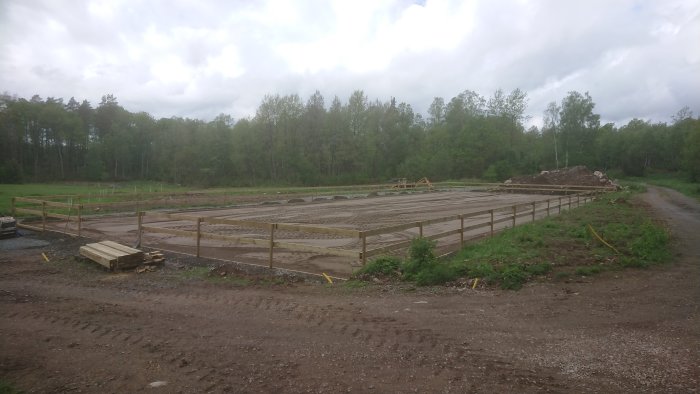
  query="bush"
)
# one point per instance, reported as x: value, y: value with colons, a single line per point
x: 651, y: 244
x: 385, y: 265
x: 422, y: 266
x: 421, y: 256
x: 512, y: 277
x: 435, y: 274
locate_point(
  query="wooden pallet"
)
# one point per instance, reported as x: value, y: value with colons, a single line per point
x: 112, y: 255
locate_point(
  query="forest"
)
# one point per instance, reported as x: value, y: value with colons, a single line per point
x: 290, y: 141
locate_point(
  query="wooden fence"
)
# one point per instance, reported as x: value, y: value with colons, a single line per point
x: 467, y: 221
x: 74, y: 211
x: 43, y: 209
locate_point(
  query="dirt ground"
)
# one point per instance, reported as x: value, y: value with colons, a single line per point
x: 355, y: 213
x: 67, y: 326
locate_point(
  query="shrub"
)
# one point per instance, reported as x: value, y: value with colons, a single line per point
x: 435, y: 274
x: 512, y: 277
x: 651, y: 244
x: 421, y: 256
x: 385, y: 265
x: 422, y: 266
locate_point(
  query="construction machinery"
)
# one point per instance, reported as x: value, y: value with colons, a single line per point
x: 402, y: 183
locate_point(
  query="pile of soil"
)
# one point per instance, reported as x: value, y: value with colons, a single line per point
x: 579, y: 176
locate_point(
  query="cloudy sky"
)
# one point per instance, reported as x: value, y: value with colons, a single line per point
x: 200, y: 58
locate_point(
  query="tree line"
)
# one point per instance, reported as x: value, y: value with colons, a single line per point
x: 290, y: 141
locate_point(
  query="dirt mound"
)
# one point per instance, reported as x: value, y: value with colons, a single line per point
x: 579, y: 176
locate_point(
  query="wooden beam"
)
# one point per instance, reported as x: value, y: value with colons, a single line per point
x: 319, y: 230
x: 171, y: 231
x: 316, y: 249
x: 29, y: 211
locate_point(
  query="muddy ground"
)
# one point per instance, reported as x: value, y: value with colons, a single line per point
x: 68, y: 326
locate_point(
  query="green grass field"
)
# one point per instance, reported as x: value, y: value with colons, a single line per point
x: 115, y: 192
x: 7, y: 191
x: 671, y: 181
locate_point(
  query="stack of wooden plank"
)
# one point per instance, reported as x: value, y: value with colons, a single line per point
x: 155, y: 257
x: 112, y: 255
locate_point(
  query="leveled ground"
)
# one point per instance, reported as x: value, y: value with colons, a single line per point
x: 71, y: 327
x: 356, y: 213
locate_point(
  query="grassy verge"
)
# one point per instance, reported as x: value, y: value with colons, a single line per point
x: 671, y: 181
x: 554, y: 248
x: 118, y: 192
x: 7, y: 191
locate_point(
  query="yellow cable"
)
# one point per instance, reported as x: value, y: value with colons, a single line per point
x: 328, y: 278
x: 45, y: 258
x: 476, y: 281
x: 602, y: 240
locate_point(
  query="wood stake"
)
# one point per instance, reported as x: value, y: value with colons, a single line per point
x: 43, y: 216
x: 533, y: 211
x: 364, y: 248
x: 420, y: 230
x: 491, y: 212
x: 514, y: 211
x: 272, y: 241
x: 139, y: 231
x: 199, y: 233
x: 80, y: 218
x: 559, y: 204
x: 547, y: 208
x: 461, y: 230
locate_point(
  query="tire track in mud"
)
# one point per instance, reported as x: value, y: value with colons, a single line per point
x: 446, y: 357
x: 170, y: 351
x: 379, y: 333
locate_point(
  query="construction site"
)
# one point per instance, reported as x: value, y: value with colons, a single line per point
x: 106, y: 294
x: 311, y: 232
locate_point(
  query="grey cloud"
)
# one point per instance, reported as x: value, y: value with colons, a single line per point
x: 636, y: 58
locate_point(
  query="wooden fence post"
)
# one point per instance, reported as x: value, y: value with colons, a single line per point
x: 272, y: 241
x: 43, y: 216
x: 514, y: 211
x: 559, y: 204
x: 533, y: 211
x: 548, y: 207
x: 491, y: 212
x: 420, y: 229
x: 139, y: 231
x: 461, y: 230
x: 80, y: 217
x: 569, y: 202
x: 14, y: 213
x: 199, y: 233
x: 578, y: 200
x: 364, y: 248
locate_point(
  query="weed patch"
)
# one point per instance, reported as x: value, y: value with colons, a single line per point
x: 555, y: 247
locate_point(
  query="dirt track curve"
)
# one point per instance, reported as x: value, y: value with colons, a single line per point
x: 67, y: 327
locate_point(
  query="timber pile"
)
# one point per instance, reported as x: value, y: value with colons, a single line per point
x: 112, y: 255
x: 152, y: 258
